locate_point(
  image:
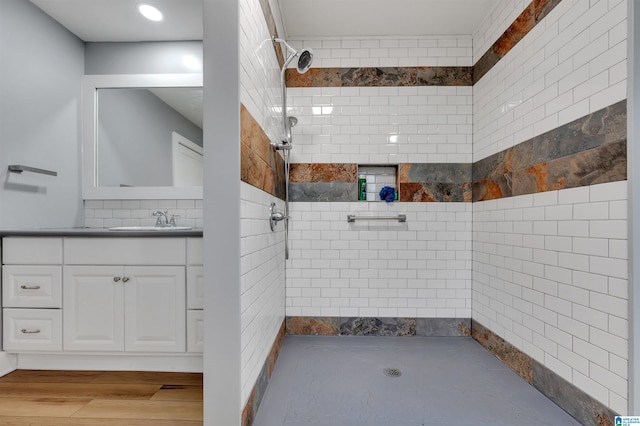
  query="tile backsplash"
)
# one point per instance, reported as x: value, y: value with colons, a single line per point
x: 109, y: 213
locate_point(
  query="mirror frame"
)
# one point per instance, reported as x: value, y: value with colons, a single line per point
x: 90, y: 188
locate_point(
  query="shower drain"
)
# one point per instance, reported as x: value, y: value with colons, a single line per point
x: 392, y: 372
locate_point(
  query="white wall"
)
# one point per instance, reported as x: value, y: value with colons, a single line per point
x: 40, y: 99
x: 550, y: 269
x: 417, y: 269
x: 388, y: 51
x: 571, y: 64
x: 382, y: 125
x: 421, y: 268
x: 550, y: 277
x: 262, y: 264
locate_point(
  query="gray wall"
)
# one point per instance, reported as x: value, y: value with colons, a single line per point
x: 141, y: 58
x: 41, y: 69
x: 134, y: 138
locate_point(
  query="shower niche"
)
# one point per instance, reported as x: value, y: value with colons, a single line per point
x: 373, y: 178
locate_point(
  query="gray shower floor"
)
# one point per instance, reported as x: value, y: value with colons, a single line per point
x: 340, y: 381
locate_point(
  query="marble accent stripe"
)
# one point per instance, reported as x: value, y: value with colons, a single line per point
x: 525, y: 22
x: 578, y: 404
x: 366, y: 326
x: 260, y: 165
x: 372, y: 77
x: 587, y: 151
x: 443, y: 182
x: 259, y: 388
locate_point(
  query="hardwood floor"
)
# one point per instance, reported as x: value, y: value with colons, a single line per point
x: 105, y: 398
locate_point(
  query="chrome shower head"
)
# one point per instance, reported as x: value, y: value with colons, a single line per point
x: 305, y: 57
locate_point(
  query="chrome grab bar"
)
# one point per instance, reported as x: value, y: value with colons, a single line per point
x: 17, y: 168
x: 400, y: 218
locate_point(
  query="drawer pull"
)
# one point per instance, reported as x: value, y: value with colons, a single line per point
x: 125, y: 279
x: 116, y: 279
x: 25, y: 331
x: 30, y: 287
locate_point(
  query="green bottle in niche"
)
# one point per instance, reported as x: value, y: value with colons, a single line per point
x: 362, y: 187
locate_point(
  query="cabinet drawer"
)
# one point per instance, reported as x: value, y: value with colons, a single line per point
x: 33, y: 286
x: 195, y: 331
x: 195, y: 287
x: 32, y: 251
x: 125, y: 251
x: 32, y: 330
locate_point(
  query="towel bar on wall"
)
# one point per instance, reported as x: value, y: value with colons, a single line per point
x: 400, y: 218
x: 16, y: 168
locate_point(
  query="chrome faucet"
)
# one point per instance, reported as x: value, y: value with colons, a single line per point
x: 162, y: 219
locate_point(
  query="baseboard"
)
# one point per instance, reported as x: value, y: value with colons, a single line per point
x: 368, y: 326
x: 565, y: 395
x: 122, y: 362
x: 7, y: 363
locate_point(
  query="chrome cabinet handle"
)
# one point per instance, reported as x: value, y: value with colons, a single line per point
x: 25, y: 331
x: 116, y: 279
x: 125, y: 279
x: 30, y: 287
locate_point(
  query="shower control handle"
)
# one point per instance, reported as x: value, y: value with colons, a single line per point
x: 275, y: 216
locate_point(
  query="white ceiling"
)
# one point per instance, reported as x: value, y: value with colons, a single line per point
x: 362, y: 18
x: 118, y: 20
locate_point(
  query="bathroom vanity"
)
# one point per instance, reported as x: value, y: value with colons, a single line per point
x: 100, y: 299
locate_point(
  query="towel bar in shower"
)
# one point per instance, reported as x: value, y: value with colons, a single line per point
x: 400, y: 218
x: 16, y: 168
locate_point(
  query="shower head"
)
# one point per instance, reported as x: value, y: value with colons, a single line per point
x: 305, y: 56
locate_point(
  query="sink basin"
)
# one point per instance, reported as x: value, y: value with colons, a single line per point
x: 150, y: 228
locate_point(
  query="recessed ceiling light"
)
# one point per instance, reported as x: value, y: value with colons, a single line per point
x: 150, y: 12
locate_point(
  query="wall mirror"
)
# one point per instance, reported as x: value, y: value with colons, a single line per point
x: 142, y: 136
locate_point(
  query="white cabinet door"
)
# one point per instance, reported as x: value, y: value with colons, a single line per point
x: 155, y: 309
x: 93, y: 314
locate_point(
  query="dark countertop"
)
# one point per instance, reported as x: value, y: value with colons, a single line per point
x: 97, y: 232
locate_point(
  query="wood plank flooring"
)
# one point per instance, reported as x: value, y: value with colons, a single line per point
x: 105, y: 398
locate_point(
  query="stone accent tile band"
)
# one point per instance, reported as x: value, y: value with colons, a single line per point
x: 444, y: 182
x: 587, y: 151
x: 578, y: 404
x: 525, y: 22
x: 350, y: 326
x: 259, y: 388
x: 374, y: 77
x: 260, y: 165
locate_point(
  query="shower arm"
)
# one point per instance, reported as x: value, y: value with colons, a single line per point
x: 286, y: 142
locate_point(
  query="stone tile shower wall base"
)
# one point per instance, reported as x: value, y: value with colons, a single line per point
x: 567, y: 396
x: 359, y: 326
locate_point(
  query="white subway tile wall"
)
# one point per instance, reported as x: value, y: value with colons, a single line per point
x: 259, y: 70
x: 382, y: 125
x: 388, y: 51
x: 574, y: 62
x: 262, y: 263
x: 262, y: 282
x: 421, y: 268
x: 110, y: 213
x: 495, y: 23
x: 550, y: 276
